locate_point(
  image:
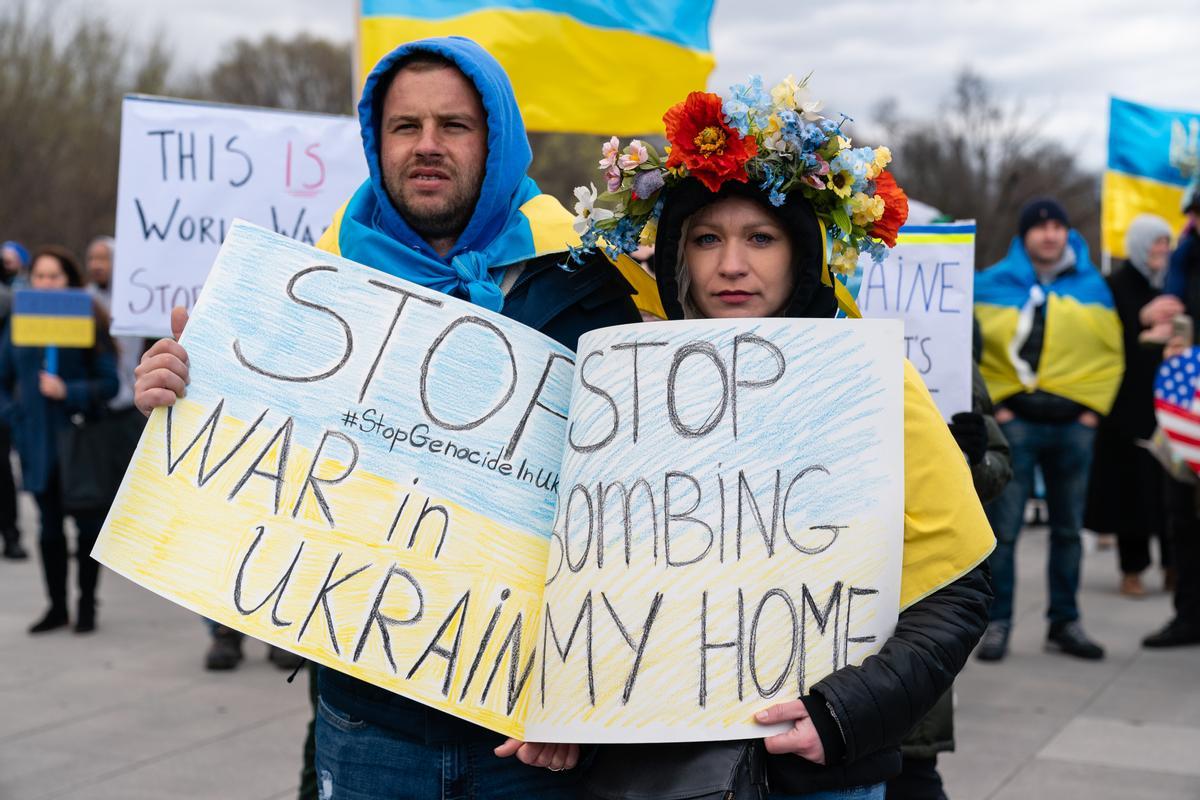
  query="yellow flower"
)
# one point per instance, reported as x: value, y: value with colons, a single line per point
x: 883, y: 157
x: 649, y: 233
x: 842, y: 183
x: 784, y: 93
x: 844, y: 260
x: 865, y: 209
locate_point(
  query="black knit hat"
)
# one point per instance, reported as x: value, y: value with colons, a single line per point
x: 1043, y: 209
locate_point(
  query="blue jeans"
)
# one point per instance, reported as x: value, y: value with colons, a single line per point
x: 876, y: 792
x: 1064, y: 452
x: 360, y: 761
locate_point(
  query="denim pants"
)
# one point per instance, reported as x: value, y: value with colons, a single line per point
x: 360, y: 761
x: 1064, y: 452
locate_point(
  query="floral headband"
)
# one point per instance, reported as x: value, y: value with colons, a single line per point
x: 777, y: 139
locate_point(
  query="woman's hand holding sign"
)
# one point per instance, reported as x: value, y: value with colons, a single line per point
x: 552, y: 756
x: 162, y: 375
x: 801, y: 740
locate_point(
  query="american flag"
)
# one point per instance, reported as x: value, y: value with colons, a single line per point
x: 1176, y: 405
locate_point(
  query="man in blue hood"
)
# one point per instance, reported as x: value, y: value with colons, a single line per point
x: 447, y: 205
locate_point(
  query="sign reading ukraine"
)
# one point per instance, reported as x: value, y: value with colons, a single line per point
x: 576, y: 66
x: 1152, y: 153
x: 637, y: 542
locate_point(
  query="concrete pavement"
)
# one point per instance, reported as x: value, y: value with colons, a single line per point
x: 128, y: 713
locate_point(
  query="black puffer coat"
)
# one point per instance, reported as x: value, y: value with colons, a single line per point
x: 860, y: 712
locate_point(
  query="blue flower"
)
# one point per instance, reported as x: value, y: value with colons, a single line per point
x: 773, y: 183
x: 748, y: 105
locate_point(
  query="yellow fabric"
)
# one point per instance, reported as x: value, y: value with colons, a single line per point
x: 845, y: 300
x: 646, y: 299
x: 1126, y: 196
x: 43, y: 330
x: 550, y: 225
x: 329, y: 239
x: 1082, y: 352
x: 946, y: 534
x: 567, y: 76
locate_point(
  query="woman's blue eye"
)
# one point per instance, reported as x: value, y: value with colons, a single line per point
x: 762, y: 238
x: 706, y: 238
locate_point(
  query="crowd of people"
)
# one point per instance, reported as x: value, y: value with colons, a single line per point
x: 1066, y: 359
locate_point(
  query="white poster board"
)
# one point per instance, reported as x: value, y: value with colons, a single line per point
x: 188, y: 169
x: 928, y: 280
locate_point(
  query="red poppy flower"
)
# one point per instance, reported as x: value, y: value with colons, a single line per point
x: 895, y: 209
x: 711, y: 150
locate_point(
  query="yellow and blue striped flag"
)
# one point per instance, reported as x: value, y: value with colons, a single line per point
x: 1150, y: 151
x: 46, y: 318
x: 577, y: 66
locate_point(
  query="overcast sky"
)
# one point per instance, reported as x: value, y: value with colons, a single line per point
x: 1060, y: 58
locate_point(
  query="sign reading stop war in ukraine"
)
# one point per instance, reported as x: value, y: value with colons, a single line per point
x: 188, y: 169
x: 928, y: 280
x: 648, y: 541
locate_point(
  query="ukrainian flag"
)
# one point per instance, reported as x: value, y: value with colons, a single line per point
x: 45, y: 318
x: 1148, y: 149
x: 577, y: 66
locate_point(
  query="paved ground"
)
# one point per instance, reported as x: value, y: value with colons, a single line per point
x: 129, y: 714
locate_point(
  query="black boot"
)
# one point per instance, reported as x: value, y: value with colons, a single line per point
x: 54, y: 569
x: 12, y: 545
x: 225, y: 651
x: 89, y: 576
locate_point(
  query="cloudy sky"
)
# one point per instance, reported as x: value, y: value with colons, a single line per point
x: 1060, y: 59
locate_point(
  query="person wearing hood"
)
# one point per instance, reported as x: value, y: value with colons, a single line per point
x: 448, y: 205
x: 727, y: 246
x: 1052, y: 359
x: 1126, y: 492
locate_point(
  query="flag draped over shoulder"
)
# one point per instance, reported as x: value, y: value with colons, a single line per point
x: 577, y: 66
x: 1083, y: 354
x: 1150, y: 153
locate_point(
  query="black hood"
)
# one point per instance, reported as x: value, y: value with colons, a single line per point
x: 810, y: 298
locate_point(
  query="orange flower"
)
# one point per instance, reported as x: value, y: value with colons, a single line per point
x: 711, y: 150
x: 895, y: 209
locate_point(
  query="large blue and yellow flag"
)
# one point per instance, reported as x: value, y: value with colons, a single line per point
x: 577, y: 66
x: 1151, y: 152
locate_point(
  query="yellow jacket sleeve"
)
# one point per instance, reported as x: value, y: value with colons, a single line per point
x: 946, y: 534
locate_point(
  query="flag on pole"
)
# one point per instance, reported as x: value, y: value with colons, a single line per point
x: 43, y: 318
x: 577, y: 66
x: 1152, y: 153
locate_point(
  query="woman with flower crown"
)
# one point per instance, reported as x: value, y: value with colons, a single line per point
x: 758, y: 201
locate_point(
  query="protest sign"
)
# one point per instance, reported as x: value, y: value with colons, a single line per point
x: 53, y: 318
x: 188, y: 169
x: 928, y: 280
x: 431, y: 497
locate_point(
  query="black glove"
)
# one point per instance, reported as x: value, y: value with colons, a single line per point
x: 970, y: 432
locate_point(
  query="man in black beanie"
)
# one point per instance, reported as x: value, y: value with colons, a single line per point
x: 1052, y: 359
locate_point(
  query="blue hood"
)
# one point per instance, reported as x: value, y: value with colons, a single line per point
x: 1008, y: 281
x: 505, y: 185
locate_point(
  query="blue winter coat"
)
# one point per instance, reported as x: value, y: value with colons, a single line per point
x: 91, y: 378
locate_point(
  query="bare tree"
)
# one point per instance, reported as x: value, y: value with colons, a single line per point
x: 301, y: 74
x: 982, y: 158
x: 60, y: 100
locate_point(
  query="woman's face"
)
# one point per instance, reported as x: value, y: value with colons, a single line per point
x: 739, y: 260
x: 47, y: 273
x: 1160, y: 251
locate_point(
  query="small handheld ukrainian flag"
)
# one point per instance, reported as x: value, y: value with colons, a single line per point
x: 1152, y: 153
x: 53, y: 318
x: 577, y: 66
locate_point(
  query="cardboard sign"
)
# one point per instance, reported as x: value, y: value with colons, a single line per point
x: 188, y: 169
x: 928, y: 280
x: 53, y: 318
x: 648, y: 545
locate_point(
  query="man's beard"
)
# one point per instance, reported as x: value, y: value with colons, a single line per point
x: 439, y: 223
